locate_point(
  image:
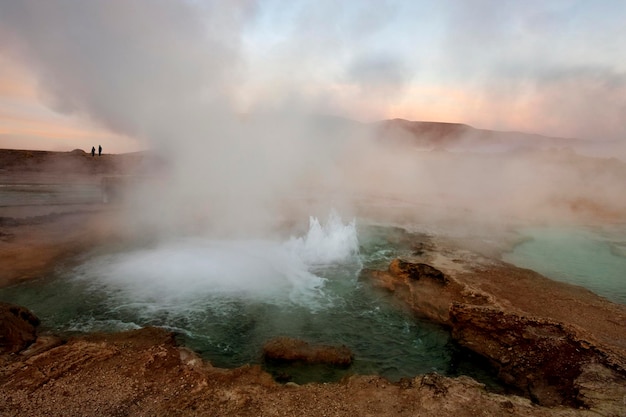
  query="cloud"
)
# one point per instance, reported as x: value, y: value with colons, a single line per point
x: 379, y: 75
x: 129, y: 65
x: 152, y: 69
x: 585, y: 102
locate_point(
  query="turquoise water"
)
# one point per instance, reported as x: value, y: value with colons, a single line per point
x: 225, y: 299
x: 588, y: 257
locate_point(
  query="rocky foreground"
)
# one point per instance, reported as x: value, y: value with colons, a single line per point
x: 558, y: 344
x: 143, y: 372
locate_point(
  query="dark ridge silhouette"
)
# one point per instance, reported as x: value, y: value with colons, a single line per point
x: 442, y: 135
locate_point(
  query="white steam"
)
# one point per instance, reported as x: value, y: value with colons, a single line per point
x: 240, y: 154
x: 185, y: 271
x: 326, y: 244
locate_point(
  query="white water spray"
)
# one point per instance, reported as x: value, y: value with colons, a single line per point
x: 181, y: 273
x: 333, y: 242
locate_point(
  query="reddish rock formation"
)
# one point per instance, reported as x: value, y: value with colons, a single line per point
x: 285, y: 349
x: 143, y: 372
x: 18, y: 328
x: 550, y: 359
x: 540, y: 356
x: 424, y: 288
x: 416, y: 271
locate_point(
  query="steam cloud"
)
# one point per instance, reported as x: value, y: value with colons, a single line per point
x: 182, y: 271
x: 177, y: 75
x: 163, y: 72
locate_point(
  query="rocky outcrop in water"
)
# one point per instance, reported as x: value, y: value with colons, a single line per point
x: 416, y: 271
x: 552, y: 361
x: 426, y: 289
x: 18, y: 328
x: 286, y: 349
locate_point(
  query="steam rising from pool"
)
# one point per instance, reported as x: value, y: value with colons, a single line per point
x: 188, y: 271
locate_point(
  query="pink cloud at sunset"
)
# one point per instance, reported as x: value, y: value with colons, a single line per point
x: 139, y: 73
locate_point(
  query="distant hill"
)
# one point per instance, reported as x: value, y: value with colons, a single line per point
x: 440, y: 135
x: 430, y: 135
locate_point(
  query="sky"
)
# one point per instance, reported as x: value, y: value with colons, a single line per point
x: 131, y: 74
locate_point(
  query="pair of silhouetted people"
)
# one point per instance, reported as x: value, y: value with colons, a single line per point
x: 93, y: 151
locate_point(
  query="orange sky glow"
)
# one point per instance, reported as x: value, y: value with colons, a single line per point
x: 131, y: 77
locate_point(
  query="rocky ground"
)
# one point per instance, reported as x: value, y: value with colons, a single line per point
x: 559, y: 344
x: 560, y: 347
x: 143, y: 372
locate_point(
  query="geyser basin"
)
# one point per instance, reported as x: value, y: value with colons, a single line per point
x: 225, y: 299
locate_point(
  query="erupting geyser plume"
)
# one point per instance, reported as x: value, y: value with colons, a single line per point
x: 185, y: 272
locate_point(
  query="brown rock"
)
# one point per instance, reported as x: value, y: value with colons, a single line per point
x: 143, y: 372
x: 538, y: 347
x: 18, y: 328
x: 424, y: 288
x: 416, y: 271
x: 539, y: 356
x: 285, y: 349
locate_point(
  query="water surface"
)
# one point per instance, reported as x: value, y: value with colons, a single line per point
x: 594, y: 258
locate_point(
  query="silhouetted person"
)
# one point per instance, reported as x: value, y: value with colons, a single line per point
x: 93, y: 151
x: 99, y: 150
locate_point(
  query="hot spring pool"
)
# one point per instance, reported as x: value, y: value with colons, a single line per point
x: 225, y: 299
x: 593, y: 258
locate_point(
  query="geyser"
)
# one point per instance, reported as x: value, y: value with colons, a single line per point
x: 185, y: 271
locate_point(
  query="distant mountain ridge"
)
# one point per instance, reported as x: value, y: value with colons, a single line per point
x: 443, y: 135
x: 429, y: 135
